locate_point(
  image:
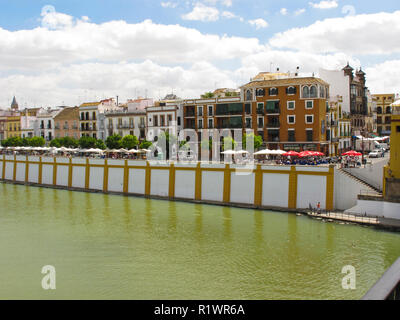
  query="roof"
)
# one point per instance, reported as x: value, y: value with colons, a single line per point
x: 286, y: 82
x: 89, y: 104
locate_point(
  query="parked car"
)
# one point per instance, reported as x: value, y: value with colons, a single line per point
x: 377, y: 153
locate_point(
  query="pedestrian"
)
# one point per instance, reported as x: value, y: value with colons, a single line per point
x: 319, y: 208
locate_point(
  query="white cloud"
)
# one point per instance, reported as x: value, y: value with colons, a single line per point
x: 360, y: 34
x: 226, y: 3
x: 203, y: 13
x: 259, y: 23
x: 169, y: 4
x: 299, y: 12
x: 324, y: 4
x: 384, y: 77
x: 284, y: 11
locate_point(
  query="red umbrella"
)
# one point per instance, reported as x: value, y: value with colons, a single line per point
x: 306, y: 154
x: 291, y: 154
x: 352, y: 153
x: 317, y: 153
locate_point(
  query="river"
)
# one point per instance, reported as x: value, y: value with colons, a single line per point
x: 114, y: 247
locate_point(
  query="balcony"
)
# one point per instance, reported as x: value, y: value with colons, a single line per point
x: 189, y: 114
x: 66, y: 127
x: 273, y: 124
x: 273, y: 138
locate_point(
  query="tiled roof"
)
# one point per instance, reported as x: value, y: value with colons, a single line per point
x: 90, y: 104
x: 285, y: 82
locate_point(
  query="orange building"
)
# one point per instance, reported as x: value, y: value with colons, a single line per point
x: 66, y: 123
x: 289, y: 112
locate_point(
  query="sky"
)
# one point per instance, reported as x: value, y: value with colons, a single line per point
x: 68, y: 52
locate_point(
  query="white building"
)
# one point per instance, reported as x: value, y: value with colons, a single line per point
x: 29, y: 125
x: 45, y: 127
x: 339, y: 85
x: 166, y: 116
x: 92, y: 118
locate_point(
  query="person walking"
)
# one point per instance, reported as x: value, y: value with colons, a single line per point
x: 319, y: 208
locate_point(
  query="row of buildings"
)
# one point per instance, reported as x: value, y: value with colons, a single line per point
x: 288, y: 111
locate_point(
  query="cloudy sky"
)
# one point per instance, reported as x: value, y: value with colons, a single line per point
x: 66, y: 52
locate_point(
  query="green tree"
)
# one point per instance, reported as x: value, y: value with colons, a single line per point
x: 129, y: 142
x: 145, y: 144
x: 257, y: 140
x: 114, y: 141
x: 56, y: 143
x: 87, y: 142
x: 100, y: 144
x: 229, y: 144
x: 207, y: 95
x: 37, y: 142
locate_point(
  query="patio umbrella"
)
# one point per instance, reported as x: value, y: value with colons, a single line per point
x: 278, y: 152
x: 133, y: 151
x: 291, y: 154
x: 263, y: 152
x: 306, y: 154
x: 352, y: 153
x: 242, y: 152
x: 319, y: 154
x: 229, y: 152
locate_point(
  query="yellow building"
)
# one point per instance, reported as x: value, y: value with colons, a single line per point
x: 383, y: 112
x: 391, y: 183
x: 13, y: 126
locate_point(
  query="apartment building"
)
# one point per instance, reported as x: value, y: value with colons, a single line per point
x: 66, y: 123
x: 383, y: 113
x: 288, y: 111
x: 166, y: 116
x: 92, y: 118
x: 45, y: 119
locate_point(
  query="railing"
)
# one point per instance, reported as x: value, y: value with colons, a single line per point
x: 388, y: 286
x: 271, y: 111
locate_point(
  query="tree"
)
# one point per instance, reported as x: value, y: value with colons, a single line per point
x: 55, y: 143
x: 129, y: 142
x: 114, y: 141
x: 37, y: 142
x: 145, y: 144
x: 257, y: 140
x: 87, y: 142
x: 207, y: 95
x: 100, y: 144
x: 229, y: 144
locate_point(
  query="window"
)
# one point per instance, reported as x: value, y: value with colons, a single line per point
x: 309, y: 134
x: 309, y: 104
x: 260, y: 122
x: 313, y: 92
x: 162, y: 120
x: 210, y: 123
x: 309, y: 118
x: 260, y: 92
x: 291, y: 119
x: 321, y: 92
x: 155, y: 121
x: 291, y: 90
x: 248, y: 123
x: 200, y: 111
x: 260, y: 108
x: 247, y: 108
x: 248, y: 95
x: 169, y: 119
x: 200, y: 124
x: 291, y: 105
x: 306, y: 92
x: 210, y: 110
x: 397, y: 128
x: 273, y: 91
x: 291, y: 135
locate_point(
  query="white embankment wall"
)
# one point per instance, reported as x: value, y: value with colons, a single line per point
x: 371, y: 173
x: 276, y: 187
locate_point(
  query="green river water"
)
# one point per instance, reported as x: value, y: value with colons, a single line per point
x: 114, y: 247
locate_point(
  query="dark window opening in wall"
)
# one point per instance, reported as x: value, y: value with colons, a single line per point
x: 248, y: 95
x: 273, y: 91
x: 309, y: 135
x: 291, y: 136
x: 179, y: 121
x: 260, y: 92
x: 291, y: 90
x: 248, y: 123
x: 398, y: 129
x: 210, y: 110
x: 247, y: 108
x: 261, y: 122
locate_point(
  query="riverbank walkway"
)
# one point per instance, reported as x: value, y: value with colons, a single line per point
x: 381, y: 222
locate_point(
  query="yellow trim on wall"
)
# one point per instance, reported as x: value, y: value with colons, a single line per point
x: 198, y: 182
x: 126, y: 177
x: 227, y: 184
x: 105, y: 176
x: 40, y: 170
x: 55, y: 172
x: 3, y: 174
x: 15, y: 168
x: 27, y: 170
x: 258, y: 185
x: 87, y: 174
x: 70, y: 173
x: 147, y: 186
x: 330, y: 188
x: 172, y: 175
x: 292, y: 197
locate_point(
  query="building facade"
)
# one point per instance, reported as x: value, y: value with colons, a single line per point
x: 383, y: 113
x: 92, y: 118
x: 45, y: 119
x: 66, y: 123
